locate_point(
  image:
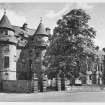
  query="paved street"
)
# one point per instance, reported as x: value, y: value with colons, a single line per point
x: 54, y: 97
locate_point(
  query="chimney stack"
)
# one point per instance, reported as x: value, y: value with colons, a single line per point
x: 25, y: 26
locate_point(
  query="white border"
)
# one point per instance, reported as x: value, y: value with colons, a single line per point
x: 46, y: 1
x: 50, y: 1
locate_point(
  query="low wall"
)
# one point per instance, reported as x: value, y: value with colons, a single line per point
x: 17, y: 86
x: 86, y: 88
x: 25, y: 86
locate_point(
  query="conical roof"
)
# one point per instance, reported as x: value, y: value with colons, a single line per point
x: 5, y: 23
x: 41, y: 30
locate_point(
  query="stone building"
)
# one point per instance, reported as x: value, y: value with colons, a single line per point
x: 21, y: 59
x: 21, y: 55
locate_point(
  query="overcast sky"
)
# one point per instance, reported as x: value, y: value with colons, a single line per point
x: 18, y: 13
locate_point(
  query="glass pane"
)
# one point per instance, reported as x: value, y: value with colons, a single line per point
x: 6, y: 62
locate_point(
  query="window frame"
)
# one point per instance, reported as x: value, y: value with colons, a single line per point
x: 6, y: 62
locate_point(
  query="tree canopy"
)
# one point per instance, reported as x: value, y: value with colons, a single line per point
x: 71, y: 43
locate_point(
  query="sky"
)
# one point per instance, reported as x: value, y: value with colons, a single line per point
x: 18, y: 13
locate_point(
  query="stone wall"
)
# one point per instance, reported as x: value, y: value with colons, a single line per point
x: 23, y: 67
x: 1, y: 63
x: 17, y: 86
x: 8, y: 73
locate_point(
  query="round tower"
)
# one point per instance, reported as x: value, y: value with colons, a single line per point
x: 7, y: 50
x: 38, y: 47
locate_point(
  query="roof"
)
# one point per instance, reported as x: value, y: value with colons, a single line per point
x: 19, y: 30
x: 5, y: 23
x: 40, y: 30
x: 31, y: 31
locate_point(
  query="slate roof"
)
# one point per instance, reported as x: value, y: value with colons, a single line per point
x: 19, y: 30
x: 5, y: 23
x: 40, y: 30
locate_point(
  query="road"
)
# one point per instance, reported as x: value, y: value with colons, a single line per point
x: 54, y: 97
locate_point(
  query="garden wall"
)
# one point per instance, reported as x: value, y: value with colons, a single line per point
x: 17, y: 86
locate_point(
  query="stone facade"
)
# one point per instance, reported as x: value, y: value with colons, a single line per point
x: 21, y: 54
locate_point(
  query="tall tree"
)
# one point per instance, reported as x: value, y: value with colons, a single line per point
x: 71, y: 44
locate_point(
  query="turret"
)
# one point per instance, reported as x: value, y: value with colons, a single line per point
x: 38, y: 48
x: 7, y: 50
x: 41, y: 36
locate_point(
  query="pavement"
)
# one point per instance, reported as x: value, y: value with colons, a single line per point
x: 64, y: 96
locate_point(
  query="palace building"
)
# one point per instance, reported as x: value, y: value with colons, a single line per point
x: 21, y: 55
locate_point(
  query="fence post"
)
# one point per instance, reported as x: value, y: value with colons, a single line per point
x: 44, y: 83
x: 66, y: 84
x: 1, y: 86
x: 63, y: 83
x: 35, y: 83
x: 58, y: 83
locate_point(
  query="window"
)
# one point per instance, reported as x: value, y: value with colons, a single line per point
x: 37, y: 54
x: 30, y: 64
x: 30, y: 52
x: 10, y: 33
x: 4, y: 32
x: 6, y: 62
x: 6, y: 49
